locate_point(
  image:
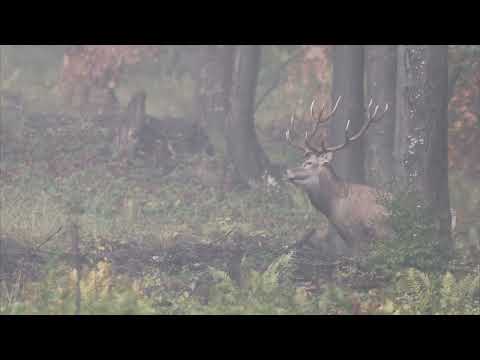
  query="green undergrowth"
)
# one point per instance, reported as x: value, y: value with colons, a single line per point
x: 413, y: 243
x: 415, y: 277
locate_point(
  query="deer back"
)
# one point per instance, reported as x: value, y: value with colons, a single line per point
x: 360, y: 214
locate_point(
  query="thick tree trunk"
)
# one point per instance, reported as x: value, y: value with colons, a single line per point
x: 381, y: 72
x: 436, y: 172
x: 218, y: 86
x: 199, y: 73
x: 348, y: 82
x: 211, y: 84
x: 409, y: 85
x: 244, y: 150
x: 227, y: 64
x: 421, y: 129
x: 348, y: 69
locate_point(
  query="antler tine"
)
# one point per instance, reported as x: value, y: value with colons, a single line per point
x: 347, y: 139
x: 374, y: 116
x: 370, y: 118
x: 316, y: 119
x: 347, y: 127
x: 335, y: 107
x: 290, y: 131
x: 321, y: 119
x: 370, y: 104
x: 312, y: 109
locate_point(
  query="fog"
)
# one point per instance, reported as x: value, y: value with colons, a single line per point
x: 239, y: 179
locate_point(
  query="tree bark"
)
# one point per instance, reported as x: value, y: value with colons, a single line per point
x: 348, y: 82
x: 348, y: 69
x: 199, y: 67
x: 421, y: 138
x: 244, y: 150
x: 225, y: 64
x: 381, y: 72
x: 436, y: 174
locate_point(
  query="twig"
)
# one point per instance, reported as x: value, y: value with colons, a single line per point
x: 50, y: 237
x: 77, y: 265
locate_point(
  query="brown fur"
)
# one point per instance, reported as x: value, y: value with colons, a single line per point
x: 354, y: 210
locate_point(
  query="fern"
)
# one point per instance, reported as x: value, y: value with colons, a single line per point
x: 457, y: 297
x: 421, y: 293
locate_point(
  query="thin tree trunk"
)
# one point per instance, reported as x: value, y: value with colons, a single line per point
x: 381, y: 72
x: 226, y: 62
x: 348, y: 82
x: 436, y: 172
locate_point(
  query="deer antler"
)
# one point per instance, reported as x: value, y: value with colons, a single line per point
x: 317, y: 121
x: 323, y: 118
x: 290, y: 131
x: 370, y: 119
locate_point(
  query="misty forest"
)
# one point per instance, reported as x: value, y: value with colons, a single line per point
x: 240, y: 179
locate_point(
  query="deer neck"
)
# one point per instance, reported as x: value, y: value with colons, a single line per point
x: 330, y: 188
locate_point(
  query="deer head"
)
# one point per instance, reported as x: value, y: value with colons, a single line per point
x: 317, y: 163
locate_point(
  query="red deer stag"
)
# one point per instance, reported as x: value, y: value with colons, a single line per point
x: 354, y: 210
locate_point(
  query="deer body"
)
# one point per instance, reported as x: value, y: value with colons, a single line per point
x: 355, y: 210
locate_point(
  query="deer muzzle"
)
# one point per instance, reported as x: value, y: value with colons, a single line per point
x: 296, y: 174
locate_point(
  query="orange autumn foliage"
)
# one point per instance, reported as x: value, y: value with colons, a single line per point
x: 464, y: 129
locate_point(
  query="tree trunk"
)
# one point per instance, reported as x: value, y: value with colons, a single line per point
x: 420, y: 149
x: 227, y: 64
x: 201, y: 56
x: 436, y: 174
x: 244, y: 150
x: 218, y: 86
x: 348, y: 61
x: 348, y: 82
x: 381, y: 72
